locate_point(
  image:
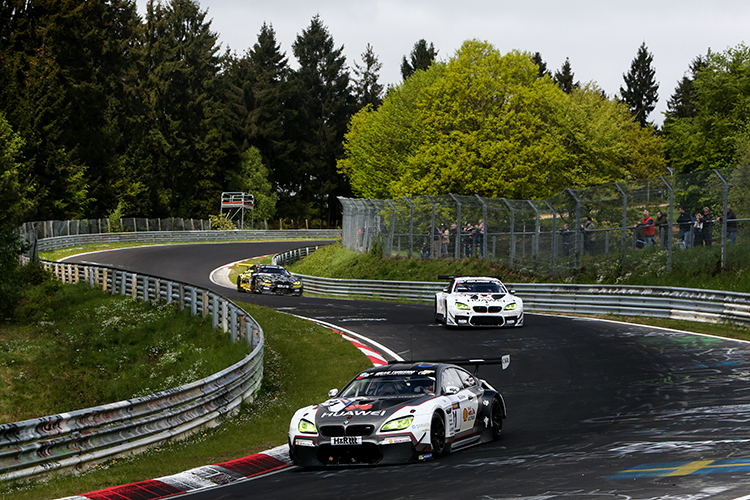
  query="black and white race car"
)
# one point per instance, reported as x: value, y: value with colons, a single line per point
x: 267, y: 278
x: 401, y: 412
x: 477, y: 301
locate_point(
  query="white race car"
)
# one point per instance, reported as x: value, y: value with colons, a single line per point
x: 479, y: 302
x: 402, y: 412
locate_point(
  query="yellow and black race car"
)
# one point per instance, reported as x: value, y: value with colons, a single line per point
x: 266, y: 278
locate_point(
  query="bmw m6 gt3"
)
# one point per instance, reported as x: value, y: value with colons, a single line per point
x: 401, y: 412
x: 477, y: 302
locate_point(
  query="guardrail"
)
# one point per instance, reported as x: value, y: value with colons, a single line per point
x: 291, y: 256
x: 75, y: 438
x: 660, y: 302
x: 58, y: 242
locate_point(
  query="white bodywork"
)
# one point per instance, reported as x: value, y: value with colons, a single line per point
x: 478, y: 302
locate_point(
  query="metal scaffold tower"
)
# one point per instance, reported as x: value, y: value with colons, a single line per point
x: 235, y: 205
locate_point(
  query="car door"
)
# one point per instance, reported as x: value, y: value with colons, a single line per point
x: 470, y: 396
x: 463, y: 398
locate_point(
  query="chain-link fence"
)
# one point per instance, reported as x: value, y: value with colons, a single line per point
x: 554, y: 234
x: 49, y: 229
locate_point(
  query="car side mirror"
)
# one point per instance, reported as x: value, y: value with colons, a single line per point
x: 512, y: 292
x: 333, y: 393
x: 450, y: 390
x: 445, y: 289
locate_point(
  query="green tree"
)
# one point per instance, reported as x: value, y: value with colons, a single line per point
x: 181, y: 148
x: 366, y: 86
x: 641, y: 89
x: 323, y: 104
x: 420, y: 58
x: 537, y: 59
x: 485, y: 123
x: 717, y: 133
x: 252, y: 177
x: 14, y: 202
x: 565, y: 77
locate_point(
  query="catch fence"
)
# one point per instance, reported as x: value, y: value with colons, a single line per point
x: 554, y: 234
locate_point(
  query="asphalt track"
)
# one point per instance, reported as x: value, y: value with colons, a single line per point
x: 596, y: 410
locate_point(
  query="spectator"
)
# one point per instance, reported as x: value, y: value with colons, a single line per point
x: 662, y: 223
x: 425, y: 252
x: 589, y: 236
x: 708, y: 227
x: 444, y: 240
x: 731, y: 225
x: 698, y: 230
x: 686, y: 224
x: 468, y: 239
x: 479, y: 237
x: 567, y: 236
x: 647, y: 224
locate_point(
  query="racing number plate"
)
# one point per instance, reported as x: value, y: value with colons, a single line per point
x: 346, y: 440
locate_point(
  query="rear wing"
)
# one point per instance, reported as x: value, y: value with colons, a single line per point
x: 475, y: 362
x: 442, y: 277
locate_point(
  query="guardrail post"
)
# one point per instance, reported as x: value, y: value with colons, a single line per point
x: 169, y: 292
x: 193, y: 301
x: 181, y: 295
x: 224, y: 319
x: 104, y: 281
x: 215, y: 311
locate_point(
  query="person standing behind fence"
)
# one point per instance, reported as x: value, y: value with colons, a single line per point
x: 479, y: 238
x: 445, y: 239
x: 685, y: 223
x: 567, y: 236
x: 452, y: 238
x: 647, y: 224
x: 731, y: 225
x: 708, y: 227
x: 662, y: 223
x: 589, y: 236
x: 698, y: 230
x: 468, y: 239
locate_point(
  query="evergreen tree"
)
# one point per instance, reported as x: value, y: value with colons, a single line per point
x: 682, y: 104
x: 366, y: 86
x: 537, y: 59
x: 421, y: 57
x: 641, y: 89
x: 181, y: 146
x: 323, y: 104
x: 564, y: 77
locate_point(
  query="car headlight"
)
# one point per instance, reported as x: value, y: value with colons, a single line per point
x: 307, y: 427
x: 462, y: 306
x: 297, y: 283
x: 266, y: 280
x: 398, y: 424
x: 511, y: 306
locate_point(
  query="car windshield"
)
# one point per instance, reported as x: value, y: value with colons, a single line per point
x: 394, y: 386
x: 273, y: 270
x: 480, y: 287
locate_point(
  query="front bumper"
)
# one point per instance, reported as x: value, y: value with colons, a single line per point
x: 487, y: 320
x: 316, y: 452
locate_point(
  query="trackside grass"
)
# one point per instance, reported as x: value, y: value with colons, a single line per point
x: 302, y: 362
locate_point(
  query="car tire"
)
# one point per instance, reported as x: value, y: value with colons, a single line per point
x: 254, y: 286
x: 437, y: 435
x: 496, y: 419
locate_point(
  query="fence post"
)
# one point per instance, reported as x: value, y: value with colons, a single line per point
x: 457, y: 251
x: 579, y: 231
x: 512, y: 249
x: 668, y: 233
x: 724, y: 220
x: 624, y: 226
x: 411, y: 224
x: 393, y: 228
x: 485, y: 223
x: 432, y: 230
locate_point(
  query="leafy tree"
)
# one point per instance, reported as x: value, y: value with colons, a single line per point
x: 564, y: 77
x: 682, y: 104
x: 253, y: 178
x: 366, y: 86
x: 504, y: 132
x: 421, y: 57
x: 718, y: 133
x: 641, y: 89
x: 14, y: 203
x: 323, y: 104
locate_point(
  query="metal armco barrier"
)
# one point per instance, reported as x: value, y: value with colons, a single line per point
x: 292, y: 256
x: 75, y: 438
x: 659, y: 302
x: 59, y: 242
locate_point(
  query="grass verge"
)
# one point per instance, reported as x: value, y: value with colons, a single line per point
x: 302, y: 362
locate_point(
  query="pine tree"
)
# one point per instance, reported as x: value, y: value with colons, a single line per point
x: 421, y: 57
x: 564, y: 77
x: 323, y: 104
x: 537, y: 59
x: 641, y: 89
x: 366, y: 86
x: 682, y: 103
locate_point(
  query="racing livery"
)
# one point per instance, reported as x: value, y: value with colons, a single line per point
x: 401, y: 412
x: 266, y: 278
x: 477, y: 301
